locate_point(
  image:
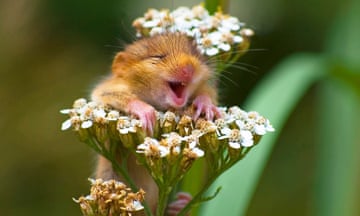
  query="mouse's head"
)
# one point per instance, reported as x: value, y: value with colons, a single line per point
x: 165, y: 69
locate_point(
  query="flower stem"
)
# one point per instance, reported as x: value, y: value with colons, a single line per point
x: 163, y: 199
x: 198, y: 198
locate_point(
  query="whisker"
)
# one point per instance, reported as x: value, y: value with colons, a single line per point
x: 218, y: 56
x: 247, y: 65
x: 222, y: 77
x: 243, y: 69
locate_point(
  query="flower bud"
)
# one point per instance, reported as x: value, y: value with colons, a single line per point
x: 169, y: 122
x: 185, y: 126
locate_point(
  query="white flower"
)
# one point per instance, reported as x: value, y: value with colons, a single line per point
x: 237, y: 113
x: 224, y: 132
x: 224, y: 46
x: 113, y: 115
x: 231, y: 23
x: 237, y: 39
x: 237, y: 138
x: 156, y: 30
x: 182, y: 12
x: 125, y: 126
x: 151, y: 147
x: 79, y: 103
x: 197, y: 152
x: 173, y: 141
x: 240, y: 123
x: 246, y: 138
x: 99, y: 116
x: 268, y: 126
x: 211, y: 51
x: 151, y: 23
x: 93, y: 105
x: 74, y: 122
x: 168, y: 118
x: 255, y: 123
x: 259, y: 129
x: 193, y: 138
x: 135, y: 123
x: 85, y: 112
x: 233, y: 135
x: 206, y: 126
x: 194, y: 149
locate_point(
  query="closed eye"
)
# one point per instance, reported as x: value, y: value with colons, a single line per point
x: 158, y: 56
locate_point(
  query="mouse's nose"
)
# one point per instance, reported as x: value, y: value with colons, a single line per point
x: 186, y: 72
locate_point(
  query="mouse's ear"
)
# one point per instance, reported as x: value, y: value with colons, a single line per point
x: 120, y: 63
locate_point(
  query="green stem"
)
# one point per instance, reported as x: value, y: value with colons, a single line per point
x: 197, y: 198
x: 163, y: 199
x: 217, y: 172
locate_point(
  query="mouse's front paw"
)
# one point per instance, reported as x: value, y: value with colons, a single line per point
x: 182, y: 199
x: 204, y: 105
x: 145, y: 113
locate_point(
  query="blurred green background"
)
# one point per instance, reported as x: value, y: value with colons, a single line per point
x: 52, y: 52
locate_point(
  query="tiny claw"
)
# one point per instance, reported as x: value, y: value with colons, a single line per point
x: 182, y: 199
x: 145, y: 113
x: 204, y: 105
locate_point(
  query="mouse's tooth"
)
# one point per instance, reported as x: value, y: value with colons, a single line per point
x: 183, y: 84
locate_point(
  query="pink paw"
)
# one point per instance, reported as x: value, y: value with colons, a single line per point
x: 204, y: 105
x: 145, y: 113
x: 175, y: 207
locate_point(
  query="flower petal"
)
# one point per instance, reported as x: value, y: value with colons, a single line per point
x: 234, y: 145
x: 86, y: 124
x: 259, y: 129
x: 198, y: 152
x: 65, y: 111
x: 66, y: 125
x: 246, y: 138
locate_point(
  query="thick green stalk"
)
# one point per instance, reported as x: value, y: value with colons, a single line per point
x: 163, y: 199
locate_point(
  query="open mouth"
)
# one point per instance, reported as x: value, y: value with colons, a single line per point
x: 178, y: 89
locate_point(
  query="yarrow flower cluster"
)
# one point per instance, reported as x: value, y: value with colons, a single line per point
x: 84, y: 115
x: 241, y: 128
x: 214, y: 34
x: 111, y: 198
